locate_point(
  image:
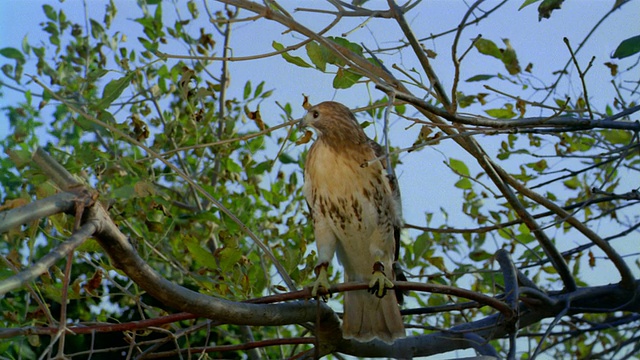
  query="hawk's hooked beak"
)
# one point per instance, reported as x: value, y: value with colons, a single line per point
x: 301, y: 124
x: 305, y: 122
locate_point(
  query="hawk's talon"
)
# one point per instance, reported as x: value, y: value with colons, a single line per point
x: 321, y: 283
x: 379, y: 282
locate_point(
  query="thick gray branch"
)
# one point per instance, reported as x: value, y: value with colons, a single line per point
x: 61, y: 202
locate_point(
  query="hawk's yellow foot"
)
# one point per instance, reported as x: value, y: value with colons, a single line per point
x: 322, y: 281
x: 379, y: 282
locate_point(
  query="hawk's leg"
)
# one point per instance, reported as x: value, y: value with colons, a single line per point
x: 322, y: 280
x: 379, y: 282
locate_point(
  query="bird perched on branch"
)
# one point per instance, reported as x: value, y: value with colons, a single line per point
x: 356, y: 212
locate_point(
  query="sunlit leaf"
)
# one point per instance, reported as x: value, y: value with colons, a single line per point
x: 488, y: 47
x: 459, y: 167
x: 572, y: 183
x: 538, y: 166
x: 463, y: 184
x: 291, y: 59
x: 318, y: 55
x: 504, y: 113
x: 510, y: 59
x: 617, y: 136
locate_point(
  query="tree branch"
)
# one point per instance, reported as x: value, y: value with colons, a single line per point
x: 60, y: 202
x: 41, y: 266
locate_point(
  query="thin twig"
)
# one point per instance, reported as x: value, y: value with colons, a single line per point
x: 419, y: 52
x: 581, y: 74
x: 454, y: 55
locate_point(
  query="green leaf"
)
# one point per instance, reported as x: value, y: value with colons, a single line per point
x: 124, y: 192
x: 465, y: 100
x: 620, y: 137
x: 231, y: 166
x: 510, y: 59
x: 488, y: 47
x: 25, y: 45
x: 96, y: 74
x: 193, y: 9
x: 247, y: 90
x: 292, y: 59
x: 258, y: 90
x: 229, y: 256
x: 348, y: 44
x: 572, y: 183
x: 113, y: 90
x: 538, y: 166
x: 345, y: 79
x: 287, y: 159
x: 459, y: 167
x: 479, y: 255
x: 50, y: 12
x: 627, y: 47
x: 547, y: 6
x: 96, y: 29
x: 438, y: 262
x: 13, y: 53
x: 480, y: 78
x: 464, y: 184
x: 506, y: 113
x: 421, y: 245
x: 157, y: 16
x: 21, y: 156
x: 527, y: 3
x: 318, y: 55
x: 202, y: 256
x: 151, y: 46
x: 331, y: 58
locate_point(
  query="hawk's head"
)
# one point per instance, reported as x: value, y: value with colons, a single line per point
x: 334, y: 122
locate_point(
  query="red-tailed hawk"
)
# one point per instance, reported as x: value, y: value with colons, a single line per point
x: 357, y: 214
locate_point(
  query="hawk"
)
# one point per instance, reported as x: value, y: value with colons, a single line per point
x: 356, y: 214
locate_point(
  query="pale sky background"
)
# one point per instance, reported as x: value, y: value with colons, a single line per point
x: 425, y: 181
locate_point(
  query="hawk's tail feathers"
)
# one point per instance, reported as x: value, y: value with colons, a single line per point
x: 367, y: 317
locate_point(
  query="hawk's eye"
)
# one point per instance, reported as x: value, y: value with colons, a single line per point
x: 315, y: 114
